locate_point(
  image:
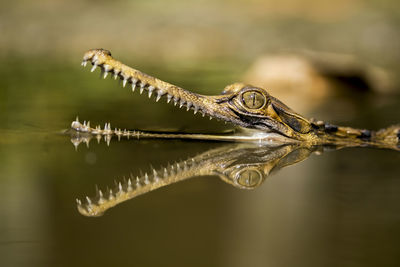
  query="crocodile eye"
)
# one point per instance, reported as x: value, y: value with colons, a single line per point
x: 253, y: 99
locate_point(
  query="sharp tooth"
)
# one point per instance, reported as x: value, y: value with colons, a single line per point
x: 78, y: 201
x: 115, y: 75
x: 88, y: 200
x: 169, y: 97
x: 142, y: 85
x: 210, y: 118
x: 181, y: 103
x: 84, y: 63
x: 196, y: 108
x: 93, y: 68
x: 76, y: 125
x: 188, y: 105
x: 151, y: 89
x: 105, y: 74
x: 158, y: 96
x: 176, y: 101
x: 124, y: 82
x: 134, y: 81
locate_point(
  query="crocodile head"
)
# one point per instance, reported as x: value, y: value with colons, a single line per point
x: 240, y: 104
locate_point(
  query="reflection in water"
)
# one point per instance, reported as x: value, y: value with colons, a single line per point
x: 243, y: 165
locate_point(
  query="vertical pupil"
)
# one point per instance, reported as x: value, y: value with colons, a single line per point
x: 253, y: 99
x: 249, y: 178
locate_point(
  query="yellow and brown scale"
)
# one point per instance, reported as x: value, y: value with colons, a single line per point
x: 259, y: 116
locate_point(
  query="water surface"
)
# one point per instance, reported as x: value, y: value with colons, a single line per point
x: 340, y: 208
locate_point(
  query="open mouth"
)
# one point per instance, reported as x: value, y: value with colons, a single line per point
x: 212, y: 106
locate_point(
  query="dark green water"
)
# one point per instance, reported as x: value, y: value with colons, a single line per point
x: 337, y: 209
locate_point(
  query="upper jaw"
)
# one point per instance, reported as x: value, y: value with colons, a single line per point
x: 213, y: 106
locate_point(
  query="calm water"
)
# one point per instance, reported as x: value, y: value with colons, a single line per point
x: 340, y: 208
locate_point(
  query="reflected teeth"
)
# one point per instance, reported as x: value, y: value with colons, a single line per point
x: 105, y: 74
x: 129, y: 185
x: 110, y: 195
x: 124, y: 82
x: 132, y: 187
x: 84, y: 63
x: 94, y: 67
x: 169, y: 97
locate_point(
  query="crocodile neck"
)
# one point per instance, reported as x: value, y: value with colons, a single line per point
x: 263, y: 117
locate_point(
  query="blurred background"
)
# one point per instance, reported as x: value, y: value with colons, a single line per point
x: 333, y: 60
x: 201, y: 30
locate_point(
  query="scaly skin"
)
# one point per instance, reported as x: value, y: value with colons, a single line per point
x: 260, y: 116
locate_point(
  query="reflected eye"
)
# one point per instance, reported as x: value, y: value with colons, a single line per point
x: 253, y: 99
x: 249, y: 178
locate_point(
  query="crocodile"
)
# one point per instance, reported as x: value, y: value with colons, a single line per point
x: 242, y: 165
x: 257, y: 115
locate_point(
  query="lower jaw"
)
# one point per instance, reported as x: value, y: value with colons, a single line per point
x: 83, y: 133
